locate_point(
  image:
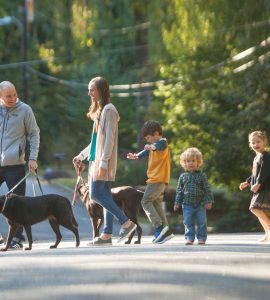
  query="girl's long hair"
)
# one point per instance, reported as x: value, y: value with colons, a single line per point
x: 96, y: 107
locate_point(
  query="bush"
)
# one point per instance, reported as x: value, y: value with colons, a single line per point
x: 238, y: 221
x: 238, y: 218
x: 130, y: 172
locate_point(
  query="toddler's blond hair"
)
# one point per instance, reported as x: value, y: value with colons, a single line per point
x: 191, y: 152
x: 260, y: 134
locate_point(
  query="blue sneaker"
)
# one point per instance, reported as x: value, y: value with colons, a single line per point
x: 15, y: 245
x: 159, y: 232
x: 167, y: 236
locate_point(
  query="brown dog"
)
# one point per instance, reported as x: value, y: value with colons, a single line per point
x: 126, y: 197
x: 27, y: 211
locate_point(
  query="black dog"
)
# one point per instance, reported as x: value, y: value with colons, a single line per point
x: 27, y: 211
x: 126, y: 197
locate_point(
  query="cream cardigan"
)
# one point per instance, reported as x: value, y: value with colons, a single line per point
x: 106, y: 145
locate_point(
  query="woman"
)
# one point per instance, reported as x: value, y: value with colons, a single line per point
x: 102, y: 155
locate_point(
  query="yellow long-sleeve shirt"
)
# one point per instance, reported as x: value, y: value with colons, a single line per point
x: 159, y: 164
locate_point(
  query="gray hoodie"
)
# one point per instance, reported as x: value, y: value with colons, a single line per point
x: 17, y: 125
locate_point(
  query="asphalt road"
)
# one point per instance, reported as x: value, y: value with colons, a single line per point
x: 230, y: 266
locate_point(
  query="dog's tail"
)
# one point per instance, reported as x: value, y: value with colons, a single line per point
x: 74, y: 222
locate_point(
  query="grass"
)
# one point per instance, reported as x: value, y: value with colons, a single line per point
x: 68, y: 182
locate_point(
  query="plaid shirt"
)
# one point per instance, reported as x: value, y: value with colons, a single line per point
x: 193, y: 188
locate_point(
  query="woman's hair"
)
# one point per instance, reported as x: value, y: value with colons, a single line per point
x: 103, y: 88
x: 260, y: 134
x: 191, y: 152
x: 150, y: 127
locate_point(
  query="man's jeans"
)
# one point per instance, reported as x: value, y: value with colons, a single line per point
x: 100, y: 192
x: 194, y: 213
x: 12, y: 175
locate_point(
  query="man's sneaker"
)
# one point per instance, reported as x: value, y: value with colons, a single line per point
x: 189, y: 242
x: 167, y: 236
x: 159, y: 232
x: 15, y: 245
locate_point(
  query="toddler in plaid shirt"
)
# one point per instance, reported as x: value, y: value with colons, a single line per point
x: 194, y: 195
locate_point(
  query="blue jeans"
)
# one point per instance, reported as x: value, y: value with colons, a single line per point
x: 12, y: 175
x: 101, y: 193
x: 194, y: 213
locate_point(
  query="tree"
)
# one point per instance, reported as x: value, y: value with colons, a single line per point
x: 209, y: 104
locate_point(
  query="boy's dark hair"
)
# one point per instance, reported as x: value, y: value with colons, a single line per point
x: 150, y: 127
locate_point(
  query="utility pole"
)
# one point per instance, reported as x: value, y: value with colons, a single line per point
x: 28, y: 17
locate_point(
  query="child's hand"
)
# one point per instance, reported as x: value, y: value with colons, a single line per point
x: 132, y: 156
x: 147, y: 147
x: 208, y: 205
x: 254, y: 188
x: 243, y: 185
x: 176, y: 207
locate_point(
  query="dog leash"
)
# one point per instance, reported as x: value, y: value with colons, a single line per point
x: 24, y: 178
x: 79, y: 168
x: 11, y: 191
x: 39, y: 184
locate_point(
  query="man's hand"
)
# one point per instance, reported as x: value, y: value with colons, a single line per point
x: 32, y: 165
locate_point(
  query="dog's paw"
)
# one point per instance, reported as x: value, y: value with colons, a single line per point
x: 137, y: 242
x: 3, y: 249
x: 53, y: 247
x: 28, y: 248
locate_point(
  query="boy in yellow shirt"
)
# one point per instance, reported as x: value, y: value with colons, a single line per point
x: 158, y: 173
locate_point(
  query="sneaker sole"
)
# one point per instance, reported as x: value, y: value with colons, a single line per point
x: 16, y: 248
x: 165, y: 239
x: 163, y: 231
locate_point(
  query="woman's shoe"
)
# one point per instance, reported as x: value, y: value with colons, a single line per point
x: 126, y: 232
x: 100, y: 242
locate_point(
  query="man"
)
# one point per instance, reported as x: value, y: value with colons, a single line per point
x: 17, y: 126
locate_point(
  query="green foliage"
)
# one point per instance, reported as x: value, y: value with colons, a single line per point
x: 210, y: 98
x: 131, y: 172
x: 238, y: 221
x: 212, y: 105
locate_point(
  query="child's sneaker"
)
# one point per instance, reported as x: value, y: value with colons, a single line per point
x: 159, y: 232
x: 167, y: 236
x: 189, y: 242
x: 201, y: 242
